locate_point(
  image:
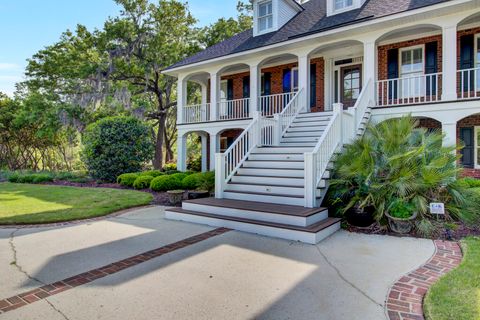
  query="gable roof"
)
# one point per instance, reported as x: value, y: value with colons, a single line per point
x: 313, y: 19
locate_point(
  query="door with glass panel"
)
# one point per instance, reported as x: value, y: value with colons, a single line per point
x: 350, y: 84
x: 412, y: 83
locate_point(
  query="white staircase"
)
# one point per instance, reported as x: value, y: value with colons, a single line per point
x: 272, y: 180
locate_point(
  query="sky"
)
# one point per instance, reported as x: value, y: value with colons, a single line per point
x: 27, y: 26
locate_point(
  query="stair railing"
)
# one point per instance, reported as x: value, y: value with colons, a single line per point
x: 341, y: 129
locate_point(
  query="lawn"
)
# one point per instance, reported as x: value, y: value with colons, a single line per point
x: 457, y: 295
x: 34, y: 204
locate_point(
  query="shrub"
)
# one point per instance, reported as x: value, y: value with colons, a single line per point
x: 207, y: 181
x: 170, y: 172
x: 166, y: 183
x: 396, y: 160
x: 42, y: 177
x: 170, y: 167
x: 152, y: 173
x: 25, y: 177
x: 192, y: 181
x: 142, y: 182
x: 180, y: 176
x: 127, y: 179
x: 115, y: 145
x: 471, y: 182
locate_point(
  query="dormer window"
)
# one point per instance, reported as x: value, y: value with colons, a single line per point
x: 265, y: 16
x: 343, y: 4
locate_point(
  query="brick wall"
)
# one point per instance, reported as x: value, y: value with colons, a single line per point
x: 429, y: 123
x: 472, y: 121
x: 383, y: 51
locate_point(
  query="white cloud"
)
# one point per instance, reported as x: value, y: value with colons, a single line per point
x: 8, y: 66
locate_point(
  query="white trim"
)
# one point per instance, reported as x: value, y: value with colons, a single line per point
x: 271, y: 15
x: 411, y: 48
x: 476, y: 147
x: 417, y: 36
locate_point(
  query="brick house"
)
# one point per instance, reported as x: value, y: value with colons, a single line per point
x: 280, y: 99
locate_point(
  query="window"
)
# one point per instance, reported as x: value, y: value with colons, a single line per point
x: 411, y: 67
x: 294, y: 79
x: 265, y: 16
x: 477, y: 62
x: 477, y: 147
x: 342, y: 4
x: 223, y: 90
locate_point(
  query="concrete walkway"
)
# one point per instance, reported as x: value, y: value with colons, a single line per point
x: 230, y: 276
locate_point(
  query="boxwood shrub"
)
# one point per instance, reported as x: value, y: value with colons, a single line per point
x: 152, y: 173
x: 192, y: 181
x: 127, y: 179
x: 142, y: 182
x: 19, y: 177
x: 166, y: 183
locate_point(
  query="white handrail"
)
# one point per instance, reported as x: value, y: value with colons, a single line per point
x: 233, y: 109
x: 196, y: 113
x: 469, y: 83
x: 291, y: 111
x: 409, y: 90
x: 274, y: 103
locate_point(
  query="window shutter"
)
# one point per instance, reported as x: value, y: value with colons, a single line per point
x: 393, y: 72
x: 267, y: 83
x: 468, y: 138
x: 287, y: 81
x: 431, y: 66
x: 246, y: 87
x: 313, y: 85
x: 467, y: 60
x: 230, y: 89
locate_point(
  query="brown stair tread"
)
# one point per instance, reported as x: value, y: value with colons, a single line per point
x: 282, y: 209
x: 314, y: 228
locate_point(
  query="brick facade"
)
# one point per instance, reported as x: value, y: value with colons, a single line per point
x: 429, y: 123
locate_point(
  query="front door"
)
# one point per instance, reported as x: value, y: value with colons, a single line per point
x: 350, y: 84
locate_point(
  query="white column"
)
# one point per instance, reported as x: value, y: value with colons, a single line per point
x: 254, y: 88
x: 214, y: 148
x: 450, y: 134
x: 449, y: 63
x: 214, y: 95
x: 304, y: 80
x: 369, y: 58
x: 329, y: 84
x: 204, y: 138
x: 182, y: 152
x: 181, y: 97
x: 204, y: 102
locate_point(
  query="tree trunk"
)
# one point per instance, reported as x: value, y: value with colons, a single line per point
x: 158, y: 159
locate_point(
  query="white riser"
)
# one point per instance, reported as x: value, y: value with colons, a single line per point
x: 312, y: 119
x: 287, y: 191
x: 299, y: 145
x: 309, y: 134
x: 305, y: 237
x: 266, y: 199
x: 274, y: 164
x: 304, y: 130
x: 299, y: 139
x: 284, y: 150
x: 271, y: 172
x: 278, y: 157
x: 257, y: 215
x: 270, y: 180
x: 315, y: 114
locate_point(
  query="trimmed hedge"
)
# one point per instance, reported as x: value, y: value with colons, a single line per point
x: 166, y: 183
x: 152, y: 173
x: 127, y: 179
x: 34, y: 178
x: 192, y: 181
x: 142, y: 182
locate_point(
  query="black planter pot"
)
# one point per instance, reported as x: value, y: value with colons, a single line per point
x: 192, y: 195
x: 360, y: 217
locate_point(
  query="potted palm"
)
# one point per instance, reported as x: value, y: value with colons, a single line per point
x: 401, y: 215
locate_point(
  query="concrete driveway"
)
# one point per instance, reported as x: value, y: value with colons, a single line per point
x: 230, y: 275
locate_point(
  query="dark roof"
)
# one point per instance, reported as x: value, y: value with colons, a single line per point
x: 311, y: 20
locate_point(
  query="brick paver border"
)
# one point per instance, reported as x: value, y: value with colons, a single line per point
x: 405, y: 299
x: 51, y: 289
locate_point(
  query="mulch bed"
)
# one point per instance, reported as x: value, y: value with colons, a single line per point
x: 461, y: 232
x: 159, y: 198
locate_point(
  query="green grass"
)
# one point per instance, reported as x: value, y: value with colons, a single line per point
x: 34, y: 204
x: 457, y: 295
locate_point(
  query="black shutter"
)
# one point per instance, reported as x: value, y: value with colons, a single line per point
x: 467, y: 61
x: 393, y: 72
x: 431, y: 66
x: 313, y: 85
x: 246, y: 87
x: 267, y: 84
x: 287, y: 80
x: 467, y: 136
x: 230, y: 89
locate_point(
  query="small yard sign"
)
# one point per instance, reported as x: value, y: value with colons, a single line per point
x: 437, y: 208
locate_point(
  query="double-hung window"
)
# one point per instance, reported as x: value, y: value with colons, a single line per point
x: 342, y: 4
x: 412, y: 70
x: 265, y: 16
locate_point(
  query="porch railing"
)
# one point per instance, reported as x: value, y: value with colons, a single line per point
x: 196, y: 113
x: 468, y: 83
x: 233, y: 109
x: 274, y: 103
x: 409, y: 90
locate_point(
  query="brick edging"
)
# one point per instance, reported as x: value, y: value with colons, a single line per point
x: 74, y: 222
x: 405, y: 298
x: 51, y: 289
